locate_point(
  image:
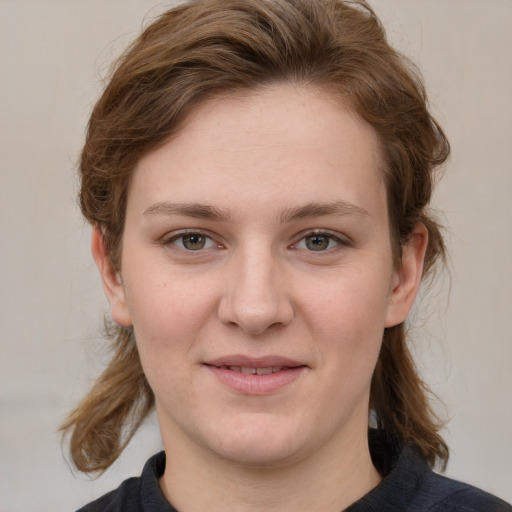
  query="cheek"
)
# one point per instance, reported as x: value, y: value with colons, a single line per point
x: 160, y: 299
x: 351, y: 301
x: 347, y: 320
x: 167, y: 315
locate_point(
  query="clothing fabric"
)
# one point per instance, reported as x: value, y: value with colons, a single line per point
x: 409, y: 485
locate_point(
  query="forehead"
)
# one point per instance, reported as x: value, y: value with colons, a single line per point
x: 279, y: 144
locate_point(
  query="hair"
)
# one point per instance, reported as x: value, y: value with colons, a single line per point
x: 208, y: 47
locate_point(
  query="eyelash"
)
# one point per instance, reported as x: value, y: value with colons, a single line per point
x: 209, y: 240
x: 329, y: 235
x: 170, y: 240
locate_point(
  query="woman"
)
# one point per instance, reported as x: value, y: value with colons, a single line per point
x: 257, y: 175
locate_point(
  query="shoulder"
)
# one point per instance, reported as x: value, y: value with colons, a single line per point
x: 410, y: 485
x: 125, y: 498
x: 136, y: 494
x: 437, y: 493
x: 444, y: 494
x: 432, y: 492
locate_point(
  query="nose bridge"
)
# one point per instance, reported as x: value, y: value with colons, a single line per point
x: 256, y: 297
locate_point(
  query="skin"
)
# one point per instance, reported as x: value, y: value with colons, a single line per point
x: 283, y: 187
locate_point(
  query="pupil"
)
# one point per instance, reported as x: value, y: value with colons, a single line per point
x: 193, y: 242
x: 317, y: 242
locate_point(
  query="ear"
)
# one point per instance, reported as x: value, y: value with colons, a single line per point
x: 112, y: 284
x: 407, y: 278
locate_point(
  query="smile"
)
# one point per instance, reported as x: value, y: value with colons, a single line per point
x: 260, y: 376
x: 254, y: 371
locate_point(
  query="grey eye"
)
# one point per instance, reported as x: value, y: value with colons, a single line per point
x: 193, y: 242
x: 318, y: 242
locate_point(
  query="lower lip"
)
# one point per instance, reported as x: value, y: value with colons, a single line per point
x: 256, y: 384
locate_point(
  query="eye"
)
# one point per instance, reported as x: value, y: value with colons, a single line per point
x: 319, y: 242
x: 191, y: 241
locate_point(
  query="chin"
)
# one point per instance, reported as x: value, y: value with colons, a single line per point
x: 256, y: 443
x: 259, y: 456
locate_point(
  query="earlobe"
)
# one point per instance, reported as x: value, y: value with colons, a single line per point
x: 407, y: 278
x: 112, y: 285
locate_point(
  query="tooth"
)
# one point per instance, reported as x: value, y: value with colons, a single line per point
x: 276, y: 369
x: 248, y: 371
x: 264, y: 371
x: 235, y: 368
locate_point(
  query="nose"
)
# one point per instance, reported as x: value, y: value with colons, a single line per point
x: 256, y: 295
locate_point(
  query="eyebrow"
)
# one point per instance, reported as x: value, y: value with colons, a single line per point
x: 203, y: 211
x: 196, y: 210
x: 338, y: 208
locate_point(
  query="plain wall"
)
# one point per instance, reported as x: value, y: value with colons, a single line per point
x: 52, y: 56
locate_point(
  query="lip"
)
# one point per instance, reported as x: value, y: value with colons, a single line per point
x: 288, y: 371
x: 254, y: 362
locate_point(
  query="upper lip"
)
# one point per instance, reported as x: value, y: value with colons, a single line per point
x: 254, y: 362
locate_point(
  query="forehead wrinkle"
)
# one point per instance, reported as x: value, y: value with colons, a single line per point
x: 196, y: 210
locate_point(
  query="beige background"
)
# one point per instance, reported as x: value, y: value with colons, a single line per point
x: 52, y: 55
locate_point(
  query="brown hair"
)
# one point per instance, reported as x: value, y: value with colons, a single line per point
x: 209, y: 46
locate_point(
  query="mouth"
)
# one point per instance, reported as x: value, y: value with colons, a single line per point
x: 248, y: 370
x: 255, y: 376
x: 254, y: 365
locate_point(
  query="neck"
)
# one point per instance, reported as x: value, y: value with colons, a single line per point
x: 194, y: 482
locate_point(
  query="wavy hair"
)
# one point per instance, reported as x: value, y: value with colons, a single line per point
x: 207, y: 47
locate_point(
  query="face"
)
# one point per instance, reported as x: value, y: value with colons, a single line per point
x: 257, y: 274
